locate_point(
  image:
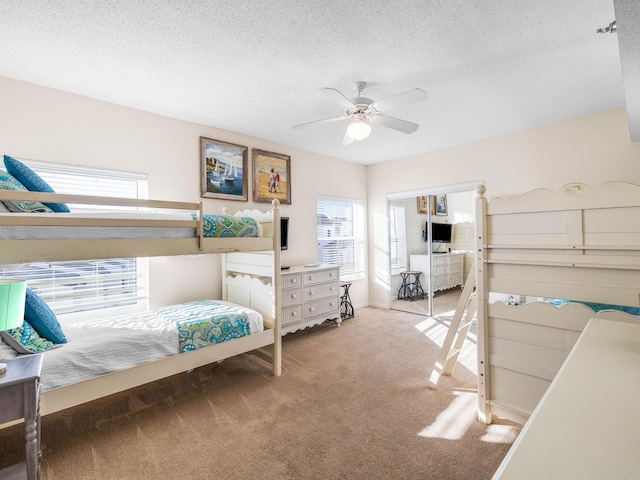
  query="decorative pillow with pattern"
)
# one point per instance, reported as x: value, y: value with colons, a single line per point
x: 25, y: 339
x: 7, y: 182
x: 225, y: 226
x: 32, y: 181
x: 42, y: 319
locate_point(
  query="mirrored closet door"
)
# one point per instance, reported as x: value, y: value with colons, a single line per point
x: 432, y: 248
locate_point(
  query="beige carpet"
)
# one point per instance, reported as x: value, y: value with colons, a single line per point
x: 352, y: 403
x: 444, y: 303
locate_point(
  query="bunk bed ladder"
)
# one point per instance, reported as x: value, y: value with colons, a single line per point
x: 457, y: 333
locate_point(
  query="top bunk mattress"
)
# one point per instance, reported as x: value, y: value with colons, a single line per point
x: 128, y: 225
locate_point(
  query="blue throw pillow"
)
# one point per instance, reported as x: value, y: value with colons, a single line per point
x: 32, y: 181
x: 7, y: 182
x: 43, y: 320
x: 25, y: 339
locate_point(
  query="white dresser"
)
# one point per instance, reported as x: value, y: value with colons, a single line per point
x: 448, y: 270
x: 310, y: 295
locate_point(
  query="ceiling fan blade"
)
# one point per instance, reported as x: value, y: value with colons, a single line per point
x: 394, y: 123
x: 324, y: 120
x: 405, y: 99
x: 347, y: 140
x: 338, y: 97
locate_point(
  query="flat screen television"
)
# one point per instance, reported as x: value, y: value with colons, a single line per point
x: 284, y: 233
x: 440, y: 232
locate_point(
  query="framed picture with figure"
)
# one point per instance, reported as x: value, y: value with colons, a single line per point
x: 271, y: 177
x: 422, y: 204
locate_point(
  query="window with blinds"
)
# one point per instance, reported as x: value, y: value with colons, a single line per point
x: 341, y: 236
x: 397, y: 238
x: 77, y: 286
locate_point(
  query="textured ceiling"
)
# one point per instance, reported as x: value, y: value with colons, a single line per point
x: 255, y: 67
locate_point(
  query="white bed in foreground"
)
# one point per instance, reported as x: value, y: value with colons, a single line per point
x: 580, y: 243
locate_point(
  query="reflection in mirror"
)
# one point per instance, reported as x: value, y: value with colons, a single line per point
x: 413, y: 270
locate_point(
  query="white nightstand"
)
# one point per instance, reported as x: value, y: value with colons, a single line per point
x: 20, y: 398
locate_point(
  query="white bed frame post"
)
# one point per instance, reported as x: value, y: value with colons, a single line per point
x: 277, y: 320
x: 484, y: 409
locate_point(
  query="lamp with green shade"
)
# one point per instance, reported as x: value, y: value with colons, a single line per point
x: 12, y: 297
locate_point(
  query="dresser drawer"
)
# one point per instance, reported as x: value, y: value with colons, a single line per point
x: 291, y: 314
x: 440, y: 259
x: 311, y: 278
x: 291, y: 296
x: 440, y: 270
x: 318, y: 307
x: 455, y: 259
x: 294, y: 280
x: 455, y: 268
x: 319, y: 291
x: 440, y: 281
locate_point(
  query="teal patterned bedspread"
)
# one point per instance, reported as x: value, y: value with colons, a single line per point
x: 216, y: 226
x: 596, y: 307
x: 204, y: 322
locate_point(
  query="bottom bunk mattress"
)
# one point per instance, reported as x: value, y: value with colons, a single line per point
x: 97, y: 347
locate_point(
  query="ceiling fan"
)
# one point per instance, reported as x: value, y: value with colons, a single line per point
x: 363, y: 112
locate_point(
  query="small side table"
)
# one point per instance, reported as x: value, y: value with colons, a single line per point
x: 346, y: 307
x: 20, y: 398
x: 410, y: 289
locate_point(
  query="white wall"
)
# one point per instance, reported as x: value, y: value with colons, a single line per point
x: 591, y: 150
x: 46, y: 124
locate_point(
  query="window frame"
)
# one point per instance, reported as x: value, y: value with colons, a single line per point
x: 125, y: 281
x: 357, y: 258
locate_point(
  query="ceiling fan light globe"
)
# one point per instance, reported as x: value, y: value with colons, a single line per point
x: 359, y: 130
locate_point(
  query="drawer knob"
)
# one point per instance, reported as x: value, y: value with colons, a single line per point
x: 293, y: 314
x: 311, y: 309
x: 332, y: 288
x: 331, y: 304
x: 310, y: 277
x: 331, y: 274
x: 294, y: 296
x: 311, y: 292
x: 294, y: 280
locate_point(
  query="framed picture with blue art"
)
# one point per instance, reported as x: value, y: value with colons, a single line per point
x: 223, y: 170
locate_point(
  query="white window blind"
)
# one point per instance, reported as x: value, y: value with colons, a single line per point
x: 397, y: 238
x: 76, y: 286
x: 341, y: 236
x: 77, y: 180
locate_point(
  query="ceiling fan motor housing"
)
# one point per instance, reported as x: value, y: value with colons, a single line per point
x: 362, y: 105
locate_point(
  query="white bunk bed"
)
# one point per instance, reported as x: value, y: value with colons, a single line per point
x: 179, y: 232
x: 581, y: 244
